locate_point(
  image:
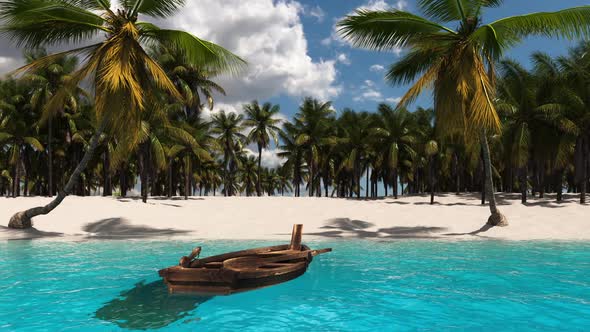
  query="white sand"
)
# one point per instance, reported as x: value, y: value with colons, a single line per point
x: 453, y: 217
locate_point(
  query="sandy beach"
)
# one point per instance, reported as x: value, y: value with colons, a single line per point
x: 452, y: 217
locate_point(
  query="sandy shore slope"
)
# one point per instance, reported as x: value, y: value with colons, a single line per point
x: 453, y: 217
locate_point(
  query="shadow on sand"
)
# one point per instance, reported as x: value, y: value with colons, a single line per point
x: 26, y: 234
x: 148, y: 306
x: 484, y: 229
x: 117, y: 228
x: 347, y: 228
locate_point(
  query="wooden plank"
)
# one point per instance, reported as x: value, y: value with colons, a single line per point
x: 223, y: 257
x: 296, y: 236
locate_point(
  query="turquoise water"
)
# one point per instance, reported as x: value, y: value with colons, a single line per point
x: 361, y: 286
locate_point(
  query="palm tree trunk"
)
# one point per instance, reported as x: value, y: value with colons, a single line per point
x: 143, y: 172
x: 431, y: 178
x: 542, y: 184
x: 22, y: 220
x: 523, y: 184
x: 17, y: 175
x: 107, y: 187
x: 258, y: 189
x: 584, y: 182
x: 367, y: 183
x: 457, y: 175
x: 169, y: 177
x: 122, y: 181
x: 497, y: 218
x: 395, y: 183
x: 310, y: 182
x: 187, y: 166
x: 26, y: 171
x: 483, y: 179
x: 50, y: 157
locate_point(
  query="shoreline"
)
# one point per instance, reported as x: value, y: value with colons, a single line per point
x: 271, y: 218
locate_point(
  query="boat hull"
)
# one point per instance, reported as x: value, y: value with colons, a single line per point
x: 234, y: 272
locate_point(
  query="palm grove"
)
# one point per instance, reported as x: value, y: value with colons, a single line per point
x: 128, y: 110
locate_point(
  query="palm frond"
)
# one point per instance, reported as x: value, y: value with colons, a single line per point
x: 155, y: 8
x: 382, y: 30
x: 197, y: 52
x: 570, y: 23
x: 34, y: 143
x: 31, y: 23
x: 411, y: 65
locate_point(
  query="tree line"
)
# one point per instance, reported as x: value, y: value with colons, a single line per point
x: 543, y: 146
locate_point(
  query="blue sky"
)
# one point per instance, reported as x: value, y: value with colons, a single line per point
x: 352, y: 77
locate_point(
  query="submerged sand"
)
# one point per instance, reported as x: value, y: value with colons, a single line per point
x: 271, y: 218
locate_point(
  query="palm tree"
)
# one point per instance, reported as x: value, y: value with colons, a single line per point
x: 396, y: 135
x: 575, y: 68
x: 46, y: 83
x: 313, y: 131
x: 457, y: 63
x: 354, y: 142
x: 16, y: 131
x: 125, y: 77
x: 529, y: 118
x: 293, y: 154
x: 193, y: 82
x: 228, y: 127
x: 249, y: 174
x: 264, y: 126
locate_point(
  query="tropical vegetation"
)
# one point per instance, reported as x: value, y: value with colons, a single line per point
x: 140, y: 129
x: 458, y: 63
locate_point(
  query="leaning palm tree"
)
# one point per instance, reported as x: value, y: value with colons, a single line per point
x: 263, y: 123
x: 458, y: 64
x: 125, y: 77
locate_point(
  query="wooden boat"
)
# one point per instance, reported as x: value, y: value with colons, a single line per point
x: 241, y: 270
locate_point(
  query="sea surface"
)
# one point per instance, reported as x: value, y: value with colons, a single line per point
x: 360, y: 286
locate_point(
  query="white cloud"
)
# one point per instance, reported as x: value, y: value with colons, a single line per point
x: 394, y: 100
x: 372, y: 5
x: 8, y: 64
x: 269, y: 36
x: 316, y: 12
x: 327, y: 41
x: 270, y: 158
x: 343, y: 58
x: 377, y: 68
x: 370, y: 92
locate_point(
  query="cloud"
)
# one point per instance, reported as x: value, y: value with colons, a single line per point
x: 8, y: 64
x: 269, y: 36
x: 370, y: 92
x: 395, y: 100
x: 343, y: 59
x: 377, y: 68
x: 372, y: 5
x: 270, y: 159
x: 316, y: 12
